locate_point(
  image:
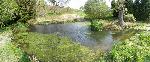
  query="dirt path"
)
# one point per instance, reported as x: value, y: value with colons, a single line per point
x: 5, y: 37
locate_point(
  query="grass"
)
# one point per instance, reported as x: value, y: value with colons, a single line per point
x: 10, y: 53
x: 59, y: 15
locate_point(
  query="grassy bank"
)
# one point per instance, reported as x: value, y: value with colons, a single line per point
x: 113, y: 25
x: 8, y: 51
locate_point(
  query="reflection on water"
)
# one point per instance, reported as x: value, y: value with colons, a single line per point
x: 79, y: 32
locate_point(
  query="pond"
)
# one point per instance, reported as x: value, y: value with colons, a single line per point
x: 80, y: 32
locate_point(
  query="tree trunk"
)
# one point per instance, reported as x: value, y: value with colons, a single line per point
x: 120, y: 16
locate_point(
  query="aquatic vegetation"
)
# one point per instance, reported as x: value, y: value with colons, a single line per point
x: 96, y: 25
x: 52, y: 48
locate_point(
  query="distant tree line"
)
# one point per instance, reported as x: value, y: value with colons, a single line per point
x: 58, y: 2
x: 119, y: 8
x: 139, y: 8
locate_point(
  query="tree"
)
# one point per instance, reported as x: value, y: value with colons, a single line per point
x: 7, y: 10
x: 56, y: 2
x: 119, y: 7
x: 26, y: 10
x: 129, y: 5
x: 12, y: 11
x: 121, y: 10
x: 40, y: 8
x: 96, y: 9
x: 142, y: 10
x: 113, y: 7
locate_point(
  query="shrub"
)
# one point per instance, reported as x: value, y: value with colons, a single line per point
x: 135, y: 49
x: 96, y: 9
x: 26, y: 10
x: 16, y: 10
x: 96, y: 25
x: 129, y: 18
x: 7, y: 10
x: 19, y: 27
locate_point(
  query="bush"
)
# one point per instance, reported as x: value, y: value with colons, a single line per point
x: 19, y: 27
x: 27, y: 10
x: 135, y: 49
x: 129, y: 18
x: 16, y: 10
x: 96, y: 9
x: 96, y: 25
x: 7, y: 10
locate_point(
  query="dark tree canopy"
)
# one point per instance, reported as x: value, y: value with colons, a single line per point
x: 142, y: 10
x: 129, y: 6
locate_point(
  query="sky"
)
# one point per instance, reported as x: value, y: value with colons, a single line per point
x: 76, y: 4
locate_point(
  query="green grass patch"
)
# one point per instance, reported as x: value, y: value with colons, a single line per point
x: 10, y: 53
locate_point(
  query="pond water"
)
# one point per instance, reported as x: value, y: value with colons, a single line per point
x: 80, y: 32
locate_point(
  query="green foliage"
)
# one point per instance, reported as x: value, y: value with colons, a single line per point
x: 129, y: 18
x: 120, y: 5
x: 135, y: 49
x: 113, y: 7
x: 96, y: 9
x: 96, y: 25
x: 52, y: 48
x: 129, y: 5
x: 7, y: 10
x: 9, y: 53
x: 26, y: 9
x: 20, y: 27
x: 12, y: 11
x: 142, y: 10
